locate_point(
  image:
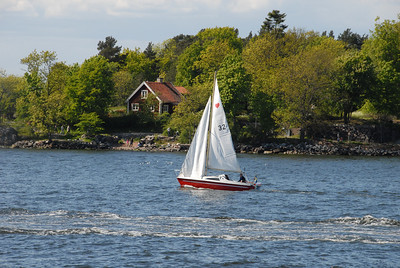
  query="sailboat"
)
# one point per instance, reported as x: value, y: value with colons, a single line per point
x: 212, y: 149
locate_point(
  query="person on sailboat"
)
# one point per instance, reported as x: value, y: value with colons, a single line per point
x: 242, y: 178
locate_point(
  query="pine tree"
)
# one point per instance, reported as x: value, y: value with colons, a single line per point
x: 274, y: 24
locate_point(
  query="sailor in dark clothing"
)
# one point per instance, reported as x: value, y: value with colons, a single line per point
x: 242, y: 178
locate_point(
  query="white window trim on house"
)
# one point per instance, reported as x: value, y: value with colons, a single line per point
x: 135, y: 107
x: 165, y: 108
x: 144, y: 93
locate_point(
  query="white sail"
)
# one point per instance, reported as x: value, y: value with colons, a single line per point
x: 195, y: 161
x: 221, y: 155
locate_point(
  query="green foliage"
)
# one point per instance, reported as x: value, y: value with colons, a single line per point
x: 265, y: 58
x: 273, y: 24
x: 200, y: 60
x: 89, y: 124
x: 304, y: 84
x: 143, y: 66
x: 42, y: 102
x: 384, y: 49
x: 40, y: 63
x: 353, y: 40
x: 124, y: 85
x: 9, y: 87
x: 126, y: 122
x: 235, y: 88
x: 168, y: 53
x: 152, y: 69
x: 279, y: 79
x: 108, y: 49
x: 90, y: 88
x: 187, y: 114
x: 354, y: 79
x: 261, y: 123
x: 186, y: 68
x: 147, y: 109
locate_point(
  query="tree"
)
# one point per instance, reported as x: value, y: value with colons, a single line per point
x: 187, y: 71
x: 149, y: 52
x: 109, y: 50
x: 353, y: 40
x: 262, y: 59
x: 152, y: 69
x: 136, y: 63
x: 354, y: 79
x: 42, y: 102
x: 40, y: 64
x: 9, y: 86
x: 235, y: 88
x: 274, y: 24
x: 143, y: 66
x: 187, y: 113
x: 384, y: 49
x: 123, y: 86
x: 89, y: 124
x: 169, y: 52
x: 304, y: 84
x: 90, y: 88
x: 331, y: 34
x: 199, y: 61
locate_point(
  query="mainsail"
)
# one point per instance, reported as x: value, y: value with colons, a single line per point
x: 221, y: 154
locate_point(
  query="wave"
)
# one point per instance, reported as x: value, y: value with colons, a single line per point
x: 366, y: 229
x: 58, y: 213
x: 366, y: 220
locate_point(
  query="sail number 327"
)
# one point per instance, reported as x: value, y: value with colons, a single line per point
x: 222, y: 127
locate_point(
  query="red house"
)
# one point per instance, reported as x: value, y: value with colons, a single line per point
x: 165, y: 92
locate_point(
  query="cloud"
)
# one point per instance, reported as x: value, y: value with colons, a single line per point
x: 73, y: 27
x: 16, y: 6
x: 243, y: 6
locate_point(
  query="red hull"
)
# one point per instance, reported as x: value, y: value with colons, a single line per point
x: 216, y: 185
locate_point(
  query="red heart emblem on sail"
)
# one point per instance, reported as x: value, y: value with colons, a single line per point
x: 217, y: 105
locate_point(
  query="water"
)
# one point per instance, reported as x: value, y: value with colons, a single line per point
x: 126, y: 209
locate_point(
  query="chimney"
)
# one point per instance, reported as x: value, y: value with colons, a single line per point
x: 160, y: 80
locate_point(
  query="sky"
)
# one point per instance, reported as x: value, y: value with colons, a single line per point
x: 73, y: 28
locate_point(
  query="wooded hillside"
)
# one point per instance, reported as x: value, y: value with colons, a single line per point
x: 272, y: 81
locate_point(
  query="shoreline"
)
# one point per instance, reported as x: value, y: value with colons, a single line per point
x: 168, y: 144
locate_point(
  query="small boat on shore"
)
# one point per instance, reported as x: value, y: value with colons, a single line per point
x: 212, y: 149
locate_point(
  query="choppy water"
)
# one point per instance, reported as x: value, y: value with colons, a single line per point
x: 126, y: 209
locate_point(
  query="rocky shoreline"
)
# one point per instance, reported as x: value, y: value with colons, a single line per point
x: 158, y: 143
x: 324, y: 148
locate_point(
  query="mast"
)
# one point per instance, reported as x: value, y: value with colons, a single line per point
x: 210, y: 124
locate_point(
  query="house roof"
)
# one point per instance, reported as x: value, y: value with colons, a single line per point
x: 164, y: 91
x: 182, y: 90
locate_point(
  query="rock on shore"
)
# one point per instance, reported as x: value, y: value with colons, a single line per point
x: 147, y: 143
x: 58, y: 144
x: 8, y: 136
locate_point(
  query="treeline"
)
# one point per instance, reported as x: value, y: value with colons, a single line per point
x: 277, y: 79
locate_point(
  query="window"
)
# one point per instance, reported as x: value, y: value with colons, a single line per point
x: 165, y: 108
x: 144, y: 93
x: 152, y: 108
x: 135, y: 107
